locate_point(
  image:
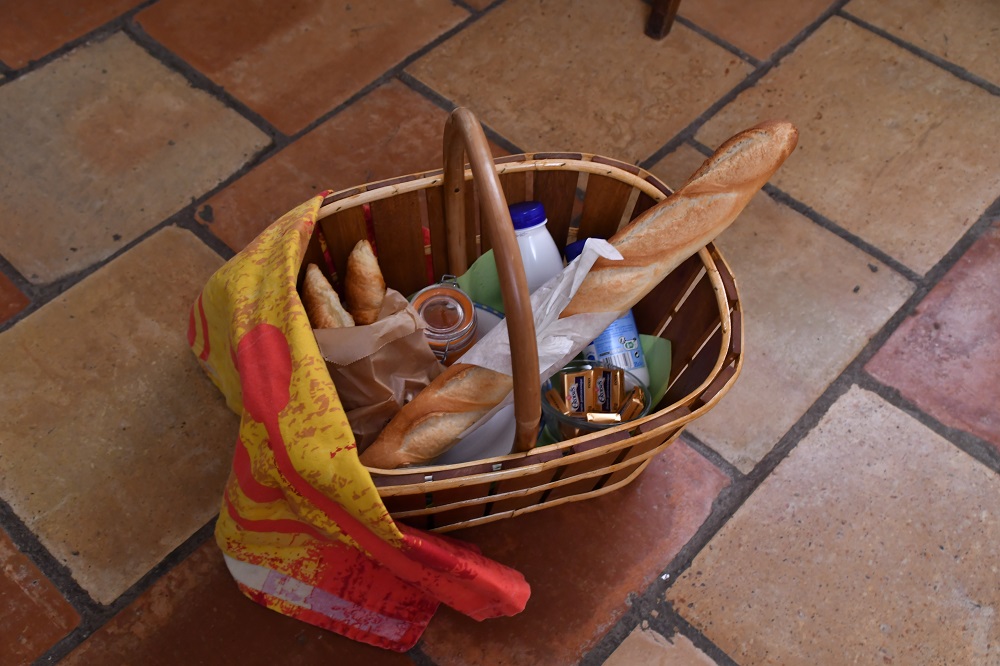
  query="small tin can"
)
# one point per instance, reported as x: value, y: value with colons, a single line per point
x: 450, y: 317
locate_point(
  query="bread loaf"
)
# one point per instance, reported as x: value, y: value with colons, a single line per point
x: 321, y: 301
x: 657, y: 241
x: 364, y: 287
x: 652, y: 245
x: 465, y: 394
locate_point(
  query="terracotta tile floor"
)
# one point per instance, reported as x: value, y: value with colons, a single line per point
x: 840, y: 505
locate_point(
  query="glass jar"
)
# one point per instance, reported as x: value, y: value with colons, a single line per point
x: 450, y: 319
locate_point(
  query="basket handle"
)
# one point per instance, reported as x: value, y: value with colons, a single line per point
x: 464, y: 135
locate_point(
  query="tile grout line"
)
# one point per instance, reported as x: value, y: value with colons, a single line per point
x: 854, y: 373
x: 824, y: 222
x: 979, y: 449
x: 26, y: 287
x: 751, y: 79
x: 448, y: 105
x: 30, y: 545
x: 40, y: 295
x: 742, y: 485
x: 94, y: 615
x: 418, y: 656
x: 653, y: 596
x: 652, y: 599
x: 688, y: 133
x: 99, y: 33
x: 732, y: 498
x: 613, y: 638
x: 99, y: 614
x: 713, y: 456
x: 718, y: 41
x: 52, y: 290
x: 201, y: 81
x: 950, y: 67
x: 668, y: 619
x: 396, y: 70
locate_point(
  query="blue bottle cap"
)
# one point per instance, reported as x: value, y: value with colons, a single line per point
x: 574, y: 249
x: 527, y: 214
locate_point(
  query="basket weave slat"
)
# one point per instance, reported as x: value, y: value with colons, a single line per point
x: 590, y: 474
x: 603, y: 206
x: 736, y: 318
x: 499, y: 468
x: 515, y: 186
x: 697, y: 307
x: 674, y: 415
x: 400, y: 241
x: 589, y: 479
x: 341, y: 232
x: 641, y: 454
x: 629, y: 471
x: 315, y: 251
x: 684, y: 382
x: 558, y: 188
x: 617, y: 164
x: 471, y: 228
x: 688, y: 333
x: 643, y: 203
x: 434, y: 205
x: 661, y: 304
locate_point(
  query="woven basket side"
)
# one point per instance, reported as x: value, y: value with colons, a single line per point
x: 696, y: 307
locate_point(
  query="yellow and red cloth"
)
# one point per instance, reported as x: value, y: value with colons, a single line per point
x: 302, y: 526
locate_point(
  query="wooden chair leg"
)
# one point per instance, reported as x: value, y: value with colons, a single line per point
x: 661, y: 19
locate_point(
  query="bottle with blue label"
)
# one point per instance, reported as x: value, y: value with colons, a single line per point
x: 619, y: 344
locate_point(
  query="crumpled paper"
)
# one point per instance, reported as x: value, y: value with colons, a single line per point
x: 378, y: 368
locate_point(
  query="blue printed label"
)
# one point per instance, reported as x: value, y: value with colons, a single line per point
x: 576, y: 395
x: 618, y: 345
x: 603, y: 395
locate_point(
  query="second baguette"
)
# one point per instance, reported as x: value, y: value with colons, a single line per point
x: 465, y: 394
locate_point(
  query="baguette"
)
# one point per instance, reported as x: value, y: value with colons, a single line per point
x: 465, y: 394
x: 660, y: 239
x: 321, y: 301
x: 652, y: 245
x: 364, y: 287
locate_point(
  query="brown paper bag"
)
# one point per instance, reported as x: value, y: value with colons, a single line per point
x: 379, y: 367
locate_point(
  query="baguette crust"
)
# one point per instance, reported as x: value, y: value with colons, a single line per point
x: 657, y: 241
x: 321, y: 301
x: 652, y: 245
x: 364, y: 287
x: 446, y: 408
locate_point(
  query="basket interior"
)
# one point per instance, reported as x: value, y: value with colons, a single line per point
x: 584, y: 196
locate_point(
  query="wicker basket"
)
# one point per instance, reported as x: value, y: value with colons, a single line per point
x: 696, y: 307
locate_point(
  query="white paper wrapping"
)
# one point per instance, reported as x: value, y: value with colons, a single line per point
x: 559, y: 340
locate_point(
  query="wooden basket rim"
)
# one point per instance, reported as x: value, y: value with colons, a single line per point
x: 579, y: 162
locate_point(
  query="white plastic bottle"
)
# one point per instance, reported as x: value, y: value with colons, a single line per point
x: 619, y: 344
x: 539, y: 253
